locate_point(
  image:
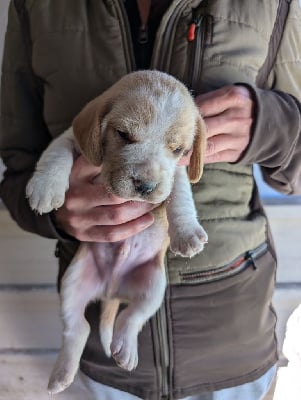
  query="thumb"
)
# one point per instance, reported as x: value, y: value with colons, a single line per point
x: 83, y: 170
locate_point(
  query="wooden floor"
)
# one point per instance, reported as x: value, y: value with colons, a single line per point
x: 29, y: 309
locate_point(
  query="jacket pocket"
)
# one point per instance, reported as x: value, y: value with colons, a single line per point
x: 244, y: 261
x: 223, y: 331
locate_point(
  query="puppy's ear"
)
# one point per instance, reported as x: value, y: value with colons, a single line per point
x: 195, y: 169
x: 87, y: 128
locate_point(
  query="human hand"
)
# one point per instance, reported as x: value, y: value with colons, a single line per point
x: 90, y: 213
x: 228, y: 114
x: 185, y: 159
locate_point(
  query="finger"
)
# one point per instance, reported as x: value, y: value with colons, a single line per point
x: 215, y: 102
x: 223, y: 124
x: 220, y: 100
x: 77, y: 221
x: 223, y: 156
x: 87, y: 195
x: 223, y: 142
x: 117, y: 214
x: 119, y: 232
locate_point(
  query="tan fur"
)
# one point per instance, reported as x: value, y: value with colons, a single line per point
x: 195, y: 169
x: 86, y: 127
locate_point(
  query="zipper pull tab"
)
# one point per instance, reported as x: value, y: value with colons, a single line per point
x: 254, y: 254
x: 195, y: 23
x: 191, y: 32
x: 143, y: 35
x: 251, y: 257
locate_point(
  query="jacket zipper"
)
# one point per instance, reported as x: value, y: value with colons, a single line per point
x: 238, y: 265
x: 195, y: 36
x: 161, y: 60
x: 165, y: 36
x: 161, y: 322
x: 161, y: 343
x: 125, y: 35
x: 143, y: 35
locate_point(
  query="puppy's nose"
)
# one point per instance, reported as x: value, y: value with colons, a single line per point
x: 144, y: 187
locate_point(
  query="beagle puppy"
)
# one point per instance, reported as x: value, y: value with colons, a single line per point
x: 137, y: 130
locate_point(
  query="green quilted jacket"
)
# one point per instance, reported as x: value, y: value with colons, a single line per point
x: 216, y: 328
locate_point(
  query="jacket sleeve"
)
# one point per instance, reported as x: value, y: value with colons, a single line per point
x: 276, y: 140
x: 23, y: 133
x: 276, y: 136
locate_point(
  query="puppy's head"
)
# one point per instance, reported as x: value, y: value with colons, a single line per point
x: 138, y: 130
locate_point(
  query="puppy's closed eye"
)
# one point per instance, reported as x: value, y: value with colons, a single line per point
x: 125, y: 136
x: 177, y: 151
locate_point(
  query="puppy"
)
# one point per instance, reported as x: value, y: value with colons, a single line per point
x: 138, y: 130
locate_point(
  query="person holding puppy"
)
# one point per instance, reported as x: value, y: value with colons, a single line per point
x: 214, y: 336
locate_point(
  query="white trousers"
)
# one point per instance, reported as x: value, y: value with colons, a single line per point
x: 255, y: 390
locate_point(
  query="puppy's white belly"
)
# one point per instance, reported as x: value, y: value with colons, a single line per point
x: 116, y: 261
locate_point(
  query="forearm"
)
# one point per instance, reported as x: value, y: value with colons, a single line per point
x: 23, y: 133
x: 276, y: 140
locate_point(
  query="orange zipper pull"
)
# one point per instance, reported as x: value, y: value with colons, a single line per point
x: 195, y: 23
x: 191, y: 32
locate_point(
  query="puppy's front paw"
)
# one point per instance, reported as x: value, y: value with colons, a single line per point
x: 46, y: 192
x: 188, y: 241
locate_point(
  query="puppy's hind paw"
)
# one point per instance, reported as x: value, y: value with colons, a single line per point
x: 59, y: 381
x: 106, y: 340
x: 125, y: 352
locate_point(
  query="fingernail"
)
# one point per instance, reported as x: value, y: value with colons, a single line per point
x: 148, y: 219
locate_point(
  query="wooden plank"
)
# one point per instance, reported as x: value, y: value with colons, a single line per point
x: 24, y: 258
x: 25, y: 377
x: 29, y: 320
x: 9, y: 228
x: 285, y: 223
x: 27, y: 260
